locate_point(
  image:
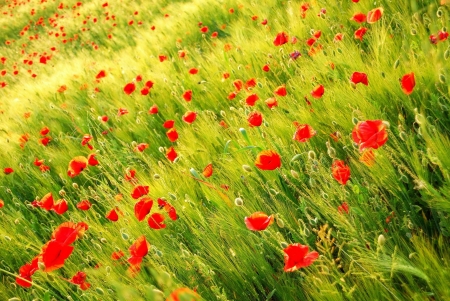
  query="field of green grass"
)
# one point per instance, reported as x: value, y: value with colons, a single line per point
x: 224, y: 150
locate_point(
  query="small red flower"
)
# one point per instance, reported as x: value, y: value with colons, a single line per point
x: 408, y: 82
x: 171, y: 154
x: 112, y: 215
x: 172, y: 134
x: 60, y: 207
x: 281, y: 91
x: 254, y: 119
x: 340, y: 171
x: 153, y: 110
x: 280, y: 39
x: 370, y: 134
x: 187, y: 95
x: 258, y: 221
x: 91, y: 160
x: 344, y: 208
x: 208, y: 170
x: 189, y: 117
x: 360, y: 32
x: 84, y: 205
x: 129, y: 88
x: 139, y: 191
x: 374, y: 15
x: 296, y: 256
x: 76, y: 166
x: 156, y: 221
x: 8, y: 170
x: 251, y: 99
x: 268, y: 160
x: 142, y: 208
x: 359, y: 77
x: 318, y: 91
x: 303, y: 133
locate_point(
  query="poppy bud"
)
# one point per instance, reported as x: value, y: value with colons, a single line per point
x: 439, y: 13
x: 353, y: 85
x: 447, y: 54
x: 125, y: 236
x: 75, y: 185
x: 311, y: 155
x: 331, y: 153
x: 108, y: 269
x: 50, y: 277
x: 8, y: 238
x: 396, y: 63
x: 62, y: 193
x: 284, y: 244
x: 355, y: 120
x: 16, y: 221
x: 172, y: 196
x: 294, y: 173
x: 413, y: 32
x: 381, y: 240
x: 246, y: 168
x: 161, y: 149
x: 41, y: 266
x: 312, y: 182
x: 99, y: 291
x: 159, y: 253
x: 103, y: 240
x: 156, y: 176
x: 280, y: 222
x: 442, y: 78
x: 238, y: 202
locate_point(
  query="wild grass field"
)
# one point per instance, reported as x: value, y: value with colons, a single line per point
x: 224, y: 150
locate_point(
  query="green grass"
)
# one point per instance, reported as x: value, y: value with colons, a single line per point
x: 209, y: 247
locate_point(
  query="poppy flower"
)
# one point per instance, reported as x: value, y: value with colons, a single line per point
x: 266, y: 68
x: 258, y: 221
x: 142, y: 208
x: 281, y: 91
x: 360, y: 32
x: 2, y: 203
x: 296, y: 256
x: 145, y: 91
x: 251, y: 99
x: 91, y: 160
x: 112, y: 215
x: 254, y: 119
x: 340, y: 171
x: 162, y: 58
x: 208, y: 170
x: 280, y: 39
x: 338, y: 37
x: 370, y: 134
x: 359, y: 77
x: 343, y: 208
x: 101, y: 74
x: 129, y: 88
x: 60, y: 207
x: 156, y: 221
x: 25, y: 273
x: 311, y: 41
x: 149, y: 84
x: 442, y: 35
x: 408, y: 82
x: 169, y: 124
x: 141, y: 147
x: 163, y: 204
x: 80, y: 279
x: 171, y: 154
x: 62, y: 88
x: 374, y: 15
x: 76, y: 166
x: 153, y: 109
x: 86, y: 139
x: 44, y: 141
x: 44, y: 131
x: 138, y: 250
x: 359, y: 17
x: 251, y: 83
x: 8, y: 170
x: 54, y: 254
x: 232, y: 95
x: 187, y: 95
x: 318, y: 91
x: 238, y: 84
x: 172, y: 134
x: 204, y: 29
x: 271, y: 102
x: 193, y: 71
x: 183, y: 294
x: 303, y: 133
x: 117, y: 255
x: 84, y: 205
x: 46, y: 202
x: 122, y: 111
x: 268, y: 160
x: 130, y: 176
x: 69, y: 232
x: 189, y: 117
x: 139, y: 190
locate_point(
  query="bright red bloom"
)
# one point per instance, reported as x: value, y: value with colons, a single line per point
x: 141, y: 147
x: 54, y: 254
x: 251, y: 99
x: 80, y: 279
x: 204, y: 29
x: 129, y: 88
x: 145, y: 91
x: 171, y: 154
x: 343, y: 208
x: 189, y: 117
x: 254, y: 119
x: 268, y: 160
x: 46, y: 202
x: 296, y: 256
x: 68, y: 232
x: 271, y: 102
x: 169, y: 124
x: 138, y: 250
x: 318, y: 91
x: 153, y: 109
x: 2, y: 203
x: 193, y: 71
x: 84, y: 205
x: 360, y: 32
x: 156, y: 221
x: 112, y: 215
x: 122, y: 111
x: 162, y: 58
x: 370, y: 134
x: 442, y: 35
x: 359, y: 77
x: 117, y: 255
x: 25, y: 273
x: 8, y: 170
x: 76, y: 166
x: 281, y: 91
x: 91, y: 160
x: 101, y: 74
x: 280, y: 39
x: 408, y: 82
x: 139, y: 190
x: 258, y: 221
x: 266, y: 68
x: 168, y: 208
x: 359, y: 17
x: 44, y: 141
x: 44, y: 131
x: 251, y: 83
x: 374, y: 15
x: 187, y: 95
x: 340, y: 171
x: 60, y: 207
x: 183, y: 294
x: 142, y: 208
x: 208, y: 170
x: 303, y: 133
x: 238, y: 84
x: 172, y: 134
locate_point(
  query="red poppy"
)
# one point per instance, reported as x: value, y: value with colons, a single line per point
x: 104, y: 118
x: 101, y: 74
x: 303, y: 133
x: 141, y: 147
x: 60, y: 207
x: 370, y: 134
x: 112, y: 215
x: 271, y: 102
x: 268, y: 160
x: 281, y: 91
x: 374, y: 15
x: 44, y: 141
x: 189, y: 117
x: 238, y: 84
x: 25, y: 273
x: 153, y: 109
x: 2, y: 203
x: 187, y: 95
x: 138, y: 250
x: 8, y: 170
x: 62, y: 88
x: 208, y: 170
x: 266, y: 68
x: 193, y: 71
x: 360, y: 32
x: 68, y: 232
x: 204, y: 29
x: 442, y: 35
x: 162, y: 58
x: 54, y: 254
x: 172, y: 134
x: 156, y: 221
x: 340, y: 171
x: 139, y: 190
x: 129, y: 88
x: 232, y: 95
x: 145, y: 91
x: 169, y: 124
x: 149, y: 84
x: 91, y: 160
x: 168, y: 208
x: 344, y: 208
x: 408, y: 82
x: 296, y: 256
x: 359, y: 77
x: 117, y: 255
x: 76, y: 166
x: 359, y: 17
x: 280, y: 39
x: 183, y: 294
x: 122, y: 111
x: 251, y: 83
x: 258, y: 221
x: 171, y: 154
x: 254, y: 119
x: 142, y: 208
x: 251, y: 99
x: 318, y: 91
x: 44, y: 131
x: 46, y: 202
x: 80, y: 279
x: 84, y: 205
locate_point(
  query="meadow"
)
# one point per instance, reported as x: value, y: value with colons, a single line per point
x: 224, y: 150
